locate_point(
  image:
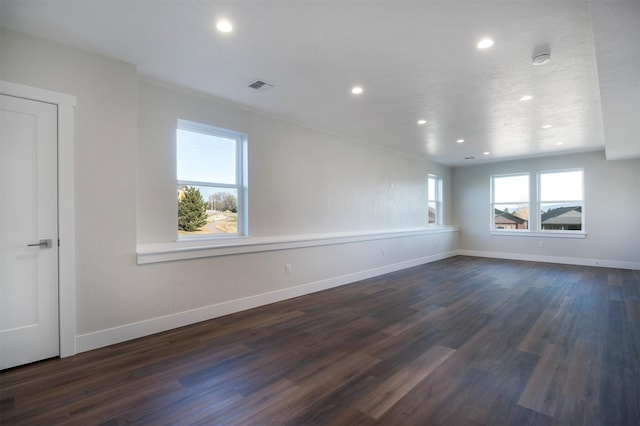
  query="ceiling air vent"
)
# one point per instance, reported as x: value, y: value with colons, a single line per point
x: 261, y: 85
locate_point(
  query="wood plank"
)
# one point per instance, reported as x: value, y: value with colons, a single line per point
x: 582, y: 382
x: 544, y: 387
x: 325, y: 379
x: 376, y: 402
x: 414, y: 320
x: 238, y: 412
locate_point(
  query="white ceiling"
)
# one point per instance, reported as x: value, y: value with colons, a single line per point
x: 414, y: 59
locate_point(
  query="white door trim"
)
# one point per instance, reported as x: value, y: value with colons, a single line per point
x: 66, y: 222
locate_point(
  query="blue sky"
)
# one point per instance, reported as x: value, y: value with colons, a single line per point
x: 205, y: 158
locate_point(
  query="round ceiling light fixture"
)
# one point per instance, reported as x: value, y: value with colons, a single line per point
x: 541, y: 58
x: 485, y: 43
x: 224, y: 26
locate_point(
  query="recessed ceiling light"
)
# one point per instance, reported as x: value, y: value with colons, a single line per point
x: 357, y: 90
x: 460, y: 141
x: 485, y: 43
x: 547, y: 126
x: 541, y: 59
x: 486, y: 153
x: 559, y: 143
x: 526, y: 98
x: 224, y: 26
x: 421, y: 122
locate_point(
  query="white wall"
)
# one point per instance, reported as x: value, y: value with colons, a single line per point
x: 301, y: 180
x: 125, y: 195
x: 611, y: 207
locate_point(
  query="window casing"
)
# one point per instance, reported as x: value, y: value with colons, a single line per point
x: 434, y: 199
x: 560, y: 200
x: 212, y: 162
x: 510, y: 202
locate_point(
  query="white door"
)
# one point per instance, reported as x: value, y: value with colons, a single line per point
x: 28, y: 232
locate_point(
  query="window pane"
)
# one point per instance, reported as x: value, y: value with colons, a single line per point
x: 511, y: 188
x: 433, y: 208
x: 205, y: 158
x: 563, y: 217
x: 434, y: 199
x: 511, y: 216
x: 431, y: 188
x: 214, y: 212
x: 561, y: 186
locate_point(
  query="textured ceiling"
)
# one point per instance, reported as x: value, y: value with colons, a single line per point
x: 415, y: 60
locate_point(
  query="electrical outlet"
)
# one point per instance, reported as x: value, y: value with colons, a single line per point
x: 287, y: 269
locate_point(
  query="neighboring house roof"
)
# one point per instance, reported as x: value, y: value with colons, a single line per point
x: 563, y: 216
x: 504, y: 217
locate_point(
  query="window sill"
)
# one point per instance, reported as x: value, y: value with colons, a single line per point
x: 181, y: 250
x: 541, y: 234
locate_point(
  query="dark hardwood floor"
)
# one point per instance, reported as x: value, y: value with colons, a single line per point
x: 463, y: 341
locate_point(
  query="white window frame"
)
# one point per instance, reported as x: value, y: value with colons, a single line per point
x: 435, y: 198
x: 241, y: 177
x: 540, y: 202
x: 492, y: 214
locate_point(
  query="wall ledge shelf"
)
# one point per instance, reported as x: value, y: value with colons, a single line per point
x: 212, y: 247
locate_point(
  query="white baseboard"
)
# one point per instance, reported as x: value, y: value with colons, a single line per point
x: 553, y: 259
x: 98, y: 339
